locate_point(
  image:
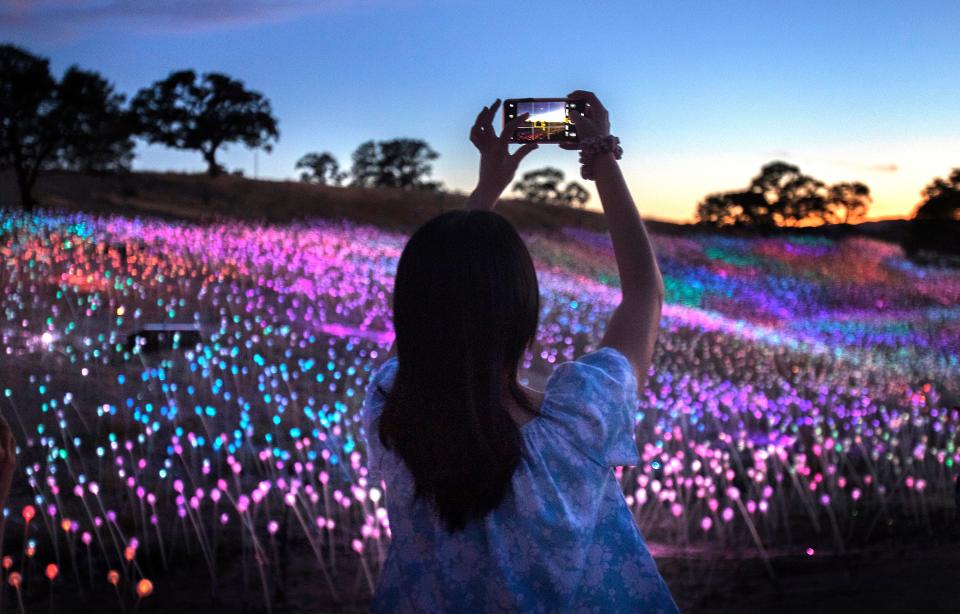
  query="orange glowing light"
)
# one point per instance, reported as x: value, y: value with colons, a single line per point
x: 14, y: 580
x: 129, y: 552
x: 113, y: 577
x: 52, y: 571
x: 7, y: 562
x: 65, y: 525
x: 144, y: 588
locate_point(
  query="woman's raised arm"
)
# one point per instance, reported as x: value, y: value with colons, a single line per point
x: 633, y: 327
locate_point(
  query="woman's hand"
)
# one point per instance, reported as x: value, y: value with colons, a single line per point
x: 594, y: 122
x: 497, y: 164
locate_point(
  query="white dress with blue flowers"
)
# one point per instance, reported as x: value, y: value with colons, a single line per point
x: 563, y: 540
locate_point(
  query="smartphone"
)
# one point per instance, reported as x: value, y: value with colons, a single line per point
x: 552, y: 120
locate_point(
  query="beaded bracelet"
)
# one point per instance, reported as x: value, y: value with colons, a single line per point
x: 591, y: 146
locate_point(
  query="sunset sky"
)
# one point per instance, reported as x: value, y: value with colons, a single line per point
x: 701, y: 94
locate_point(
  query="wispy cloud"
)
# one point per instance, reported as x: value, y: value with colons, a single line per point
x: 70, y: 19
x: 883, y: 167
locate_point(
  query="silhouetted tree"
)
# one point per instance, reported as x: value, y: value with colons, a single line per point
x: 773, y: 179
x: 734, y: 209
x: 28, y: 134
x: 77, y: 123
x: 573, y: 195
x: 204, y: 115
x: 397, y: 163
x: 942, y: 199
x: 366, y: 163
x: 320, y: 168
x: 791, y: 196
x: 783, y: 196
x: 946, y: 206
x: 98, y: 139
x: 936, y: 224
x: 940, y: 186
x: 543, y: 185
x: 847, y: 203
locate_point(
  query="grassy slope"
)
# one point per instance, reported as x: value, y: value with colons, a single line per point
x: 198, y: 197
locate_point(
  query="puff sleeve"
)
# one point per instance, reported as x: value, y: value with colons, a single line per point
x: 593, y: 403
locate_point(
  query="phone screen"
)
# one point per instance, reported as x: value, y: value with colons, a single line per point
x: 552, y: 120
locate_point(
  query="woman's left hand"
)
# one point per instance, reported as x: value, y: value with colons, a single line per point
x: 497, y: 164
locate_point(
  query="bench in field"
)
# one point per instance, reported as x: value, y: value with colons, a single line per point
x: 164, y: 336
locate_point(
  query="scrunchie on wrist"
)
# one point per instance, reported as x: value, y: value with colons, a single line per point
x: 593, y: 145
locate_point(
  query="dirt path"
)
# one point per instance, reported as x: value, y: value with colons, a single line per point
x: 906, y: 578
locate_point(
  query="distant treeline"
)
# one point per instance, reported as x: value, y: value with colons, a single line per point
x: 783, y: 196
x: 81, y: 123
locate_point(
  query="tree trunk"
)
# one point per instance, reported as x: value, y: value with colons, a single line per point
x: 25, y: 184
x: 213, y: 169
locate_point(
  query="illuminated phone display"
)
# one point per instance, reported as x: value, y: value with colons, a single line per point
x: 552, y: 120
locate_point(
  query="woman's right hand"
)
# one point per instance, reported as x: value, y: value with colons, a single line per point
x: 594, y: 122
x: 497, y: 164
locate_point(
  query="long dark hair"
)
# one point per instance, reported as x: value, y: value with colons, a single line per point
x: 465, y: 307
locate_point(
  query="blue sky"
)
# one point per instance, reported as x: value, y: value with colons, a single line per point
x: 701, y: 93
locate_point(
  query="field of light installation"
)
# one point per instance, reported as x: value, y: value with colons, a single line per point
x: 804, y: 399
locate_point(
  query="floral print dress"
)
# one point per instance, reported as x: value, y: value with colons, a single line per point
x: 563, y: 540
